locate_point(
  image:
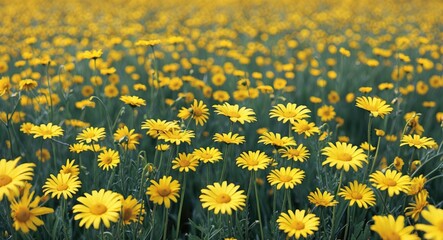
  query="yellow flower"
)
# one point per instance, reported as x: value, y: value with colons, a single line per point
x: 69, y: 167
x: 63, y: 184
x: 25, y: 211
x: 155, y: 127
x: 13, y: 177
x: 287, y: 177
x: 376, y: 106
x: 415, y: 208
x: 253, y: 160
x: 108, y: 159
x: 298, y: 223
x: 417, y: 141
x: 326, y: 113
x: 91, y: 134
x: 97, y: 207
x: 164, y: 191
x: 358, y: 193
x: 275, y: 139
x: 126, y: 138
x: 26, y: 127
x: 46, y: 131
x: 177, y: 136
x: 391, y: 180
x: 229, y: 138
x: 434, y: 216
x: 324, y: 199
x: 365, y: 146
x: 93, y: 54
x: 223, y: 198
x: 235, y: 113
x: 27, y: 84
x: 132, y: 211
x: 343, y: 155
x: 305, y: 127
x: 301, y: 153
x: 291, y: 112
x: 43, y: 154
x: 185, y: 162
x: 206, y: 155
x: 388, y: 228
x: 417, y: 184
x: 198, y: 111
x: 133, y: 101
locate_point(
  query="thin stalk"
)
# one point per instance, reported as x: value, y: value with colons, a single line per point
x: 165, y: 218
x: 348, y: 222
x: 258, y: 210
x: 334, y: 211
x: 182, y: 197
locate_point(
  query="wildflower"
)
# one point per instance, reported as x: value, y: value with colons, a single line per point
x: 69, y: 167
x: 434, y: 218
x: 78, y: 147
x: 417, y: 184
x: 43, y: 154
x: 298, y: 223
x: 26, y: 127
x: 108, y: 159
x: 62, y: 184
x: 177, y: 136
x: 198, y: 111
x: 324, y: 199
x: 13, y: 177
x: 275, y: 139
x: 220, y: 96
x: 229, y: 138
x: 343, y: 155
x: 133, y: 101
x: 390, y: 228
x: 185, y: 162
x: 208, y: 154
x: 155, y: 127
x: 391, y: 180
x: 91, y: 134
x: 164, y: 191
x: 398, y: 163
x: 291, y: 112
x: 305, y: 127
x: 97, y: 207
x: 300, y: 153
x: 358, y: 193
x: 287, y: 177
x: 46, y: 131
x: 376, y: 106
x: 223, y: 198
x: 5, y: 86
x: 253, y: 160
x: 126, y: 138
x: 366, y: 146
x: 417, y: 141
x: 93, y: 54
x: 326, y: 113
x: 132, y: 211
x: 235, y: 113
x: 415, y: 208
x: 25, y: 211
x: 27, y: 84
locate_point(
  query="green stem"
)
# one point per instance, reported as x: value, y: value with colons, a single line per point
x: 165, y: 226
x: 258, y: 209
x: 181, y: 206
x: 348, y: 222
x: 225, y: 162
x: 334, y: 211
x: 51, y: 119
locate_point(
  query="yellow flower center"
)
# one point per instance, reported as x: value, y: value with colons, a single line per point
x: 390, y: 182
x: 5, y: 180
x: 345, y: 157
x: 206, y: 156
x: 184, y: 163
x: 440, y: 226
x: 197, y: 112
x: 294, y: 152
x: 288, y: 114
x: 392, y: 236
x: 223, y: 198
x: 46, y: 132
x: 297, y: 225
x: 62, y: 187
x: 107, y: 160
x: 304, y: 127
x: 416, y: 142
x: 356, y: 195
x: 127, y: 213
x: 164, y: 191
x: 98, y: 209
x: 285, y: 178
x: 234, y: 115
x: 22, y: 214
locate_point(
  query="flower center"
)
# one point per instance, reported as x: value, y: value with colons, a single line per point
x: 5, y: 180
x: 392, y: 236
x: 356, y: 195
x: 304, y: 127
x: 127, y: 213
x: 184, y: 163
x: 206, y: 156
x: 297, y: 225
x: 234, y: 115
x: 440, y: 226
x: 285, y: 178
x: 294, y: 152
x: 390, y: 182
x: 345, y: 157
x: 416, y: 142
x: 165, y: 191
x: 107, y: 160
x: 197, y: 112
x: 46, y: 132
x: 223, y: 198
x: 62, y: 187
x: 22, y: 214
x: 98, y: 209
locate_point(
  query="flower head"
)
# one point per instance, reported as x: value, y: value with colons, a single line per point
x: 97, y: 207
x: 208, y: 154
x: 358, y: 193
x: 298, y: 223
x: 291, y: 112
x: 108, y: 159
x: 324, y: 199
x: 235, y: 113
x: 62, y: 185
x: 416, y: 207
x: 46, y: 131
x: 13, y: 177
x: 390, y: 228
x: 164, y: 191
x: 298, y: 153
x: 253, y: 160
x: 326, y: 113
x: 434, y: 219
x: 417, y: 141
x: 391, y: 180
x: 287, y: 177
x: 223, y: 198
x: 133, y: 101
x: 344, y: 155
x: 275, y: 139
x: 376, y: 106
x: 69, y: 167
x: 177, y: 136
x: 229, y: 138
x: 91, y: 134
x: 304, y: 127
x: 155, y: 127
x: 198, y: 111
x: 132, y: 211
x: 185, y: 162
x: 127, y: 138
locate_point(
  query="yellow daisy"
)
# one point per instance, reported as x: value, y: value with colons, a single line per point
x: 223, y: 198
x: 417, y: 141
x: 69, y: 167
x: 208, y: 154
x: 133, y: 101
x: 434, y: 218
x: 198, y: 111
x: 63, y: 184
x: 344, y: 155
x: 13, y: 177
x: 126, y: 138
x: 358, y: 193
x: 299, y: 153
x: 164, y: 191
x: 298, y: 224
x: 108, y: 159
x: 275, y: 139
x: 253, y: 160
x: 304, y: 127
x: 291, y: 112
x: 376, y: 106
x: 91, y: 134
x: 229, y: 138
x: 416, y: 207
x: 46, y: 131
x: 177, y: 136
x: 155, y: 127
x: 185, y: 162
x: 132, y: 211
x: 235, y: 113
x: 287, y: 177
x: 388, y: 228
x: 391, y: 180
x: 324, y: 199
x: 326, y: 113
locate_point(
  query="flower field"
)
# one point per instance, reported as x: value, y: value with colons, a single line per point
x: 221, y: 119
